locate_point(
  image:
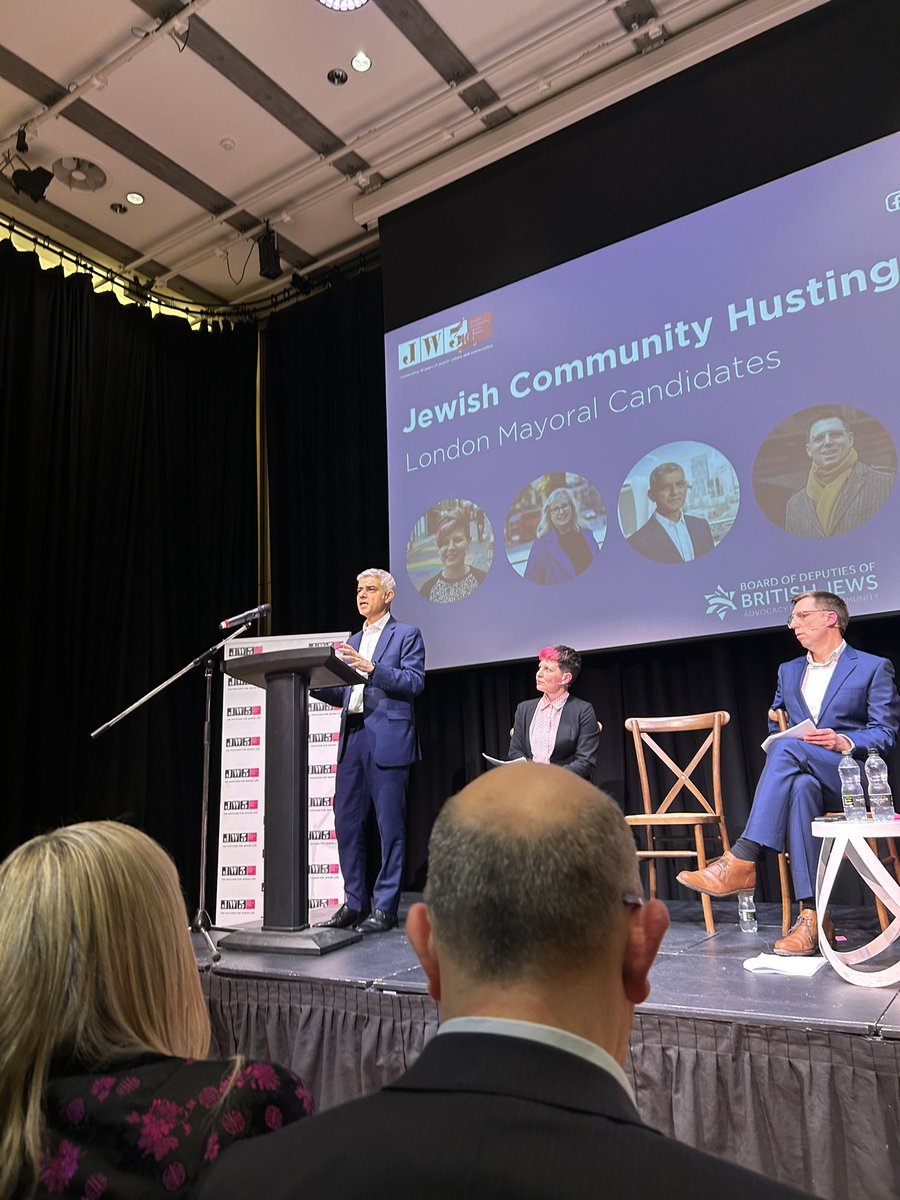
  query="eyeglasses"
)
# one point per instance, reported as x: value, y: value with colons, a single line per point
x: 560, y: 508
x: 632, y: 900
x: 804, y: 616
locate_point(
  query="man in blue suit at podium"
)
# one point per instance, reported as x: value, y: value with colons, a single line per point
x: 852, y: 698
x: 377, y: 744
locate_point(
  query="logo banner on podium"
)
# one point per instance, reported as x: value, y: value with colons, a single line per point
x: 240, y: 875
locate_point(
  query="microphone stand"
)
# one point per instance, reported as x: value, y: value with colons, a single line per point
x: 200, y: 923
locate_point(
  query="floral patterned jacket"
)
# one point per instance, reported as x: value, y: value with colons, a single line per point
x: 149, y: 1127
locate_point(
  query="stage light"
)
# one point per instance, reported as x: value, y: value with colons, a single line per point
x: 337, y: 76
x: 21, y: 142
x: 32, y: 183
x: 269, y: 260
x: 343, y: 5
x: 360, y: 61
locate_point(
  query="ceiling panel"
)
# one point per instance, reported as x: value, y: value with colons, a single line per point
x: 305, y: 154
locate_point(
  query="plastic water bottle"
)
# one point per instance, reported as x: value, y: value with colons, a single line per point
x: 881, y: 803
x: 747, y: 912
x: 851, y: 788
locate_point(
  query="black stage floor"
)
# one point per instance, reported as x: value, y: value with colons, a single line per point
x: 797, y: 1077
x: 695, y: 972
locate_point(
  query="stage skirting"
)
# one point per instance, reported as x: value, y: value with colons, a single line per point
x: 816, y: 1108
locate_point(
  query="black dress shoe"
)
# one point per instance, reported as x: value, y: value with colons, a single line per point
x: 344, y: 918
x: 377, y: 922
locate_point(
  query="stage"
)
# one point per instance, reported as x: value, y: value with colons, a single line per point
x: 797, y: 1078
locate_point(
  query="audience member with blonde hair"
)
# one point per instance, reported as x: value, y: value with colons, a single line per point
x: 105, y: 1089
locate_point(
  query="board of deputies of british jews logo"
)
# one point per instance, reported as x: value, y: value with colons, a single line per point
x: 233, y: 905
x: 241, y: 743
x: 240, y: 805
x: 238, y: 839
x: 322, y: 835
x: 242, y: 772
x: 324, y: 737
x: 238, y: 872
x: 322, y: 768
x: 320, y: 801
x: 323, y: 868
x: 244, y: 710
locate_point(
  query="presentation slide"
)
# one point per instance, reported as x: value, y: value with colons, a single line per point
x: 663, y: 439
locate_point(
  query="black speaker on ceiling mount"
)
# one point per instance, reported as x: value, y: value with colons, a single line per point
x: 269, y: 261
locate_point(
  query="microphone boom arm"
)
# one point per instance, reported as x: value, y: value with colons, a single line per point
x: 161, y: 686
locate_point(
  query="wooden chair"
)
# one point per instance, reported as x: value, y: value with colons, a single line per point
x: 663, y: 816
x: 779, y: 717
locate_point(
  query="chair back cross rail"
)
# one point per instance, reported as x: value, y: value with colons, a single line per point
x: 709, y: 812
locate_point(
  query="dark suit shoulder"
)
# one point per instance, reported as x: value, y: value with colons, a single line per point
x: 485, y: 1115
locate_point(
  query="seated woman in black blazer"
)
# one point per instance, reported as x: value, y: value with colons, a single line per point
x: 105, y: 1088
x: 557, y: 727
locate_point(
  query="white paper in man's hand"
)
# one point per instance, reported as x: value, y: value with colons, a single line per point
x: 795, y: 731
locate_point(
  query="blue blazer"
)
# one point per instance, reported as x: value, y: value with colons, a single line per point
x: 577, y: 738
x: 549, y: 563
x: 861, y: 701
x: 652, y: 541
x: 388, y: 711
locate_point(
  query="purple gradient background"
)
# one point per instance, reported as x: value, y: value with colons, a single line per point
x: 767, y: 241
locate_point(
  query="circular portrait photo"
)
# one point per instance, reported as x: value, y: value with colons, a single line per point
x: 555, y: 528
x: 449, y: 551
x: 678, y: 502
x: 825, y: 470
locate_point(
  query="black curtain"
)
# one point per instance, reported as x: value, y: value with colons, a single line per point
x: 327, y: 456
x: 128, y: 530
x: 328, y: 488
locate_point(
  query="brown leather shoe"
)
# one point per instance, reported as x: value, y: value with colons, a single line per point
x: 724, y: 876
x: 803, y: 937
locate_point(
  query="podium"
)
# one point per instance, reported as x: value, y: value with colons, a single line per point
x: 287, y: 676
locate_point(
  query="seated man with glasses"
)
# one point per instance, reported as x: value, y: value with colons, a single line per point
x: 852, y: 698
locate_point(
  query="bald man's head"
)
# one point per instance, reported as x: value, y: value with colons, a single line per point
x: 528, y: 868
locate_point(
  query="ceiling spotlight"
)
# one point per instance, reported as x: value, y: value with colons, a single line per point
x: 134, y: 197
x: 118, y: 208
x: 337, y: 76
x: 32, y: 183
x: 21, y: 143
x: 343, y: 5
x: 360, y: 61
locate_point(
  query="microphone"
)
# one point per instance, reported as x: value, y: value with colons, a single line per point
x: 251, y: 615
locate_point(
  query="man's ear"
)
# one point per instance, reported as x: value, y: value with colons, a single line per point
x: 418, y: 930
x: 648, y: 927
